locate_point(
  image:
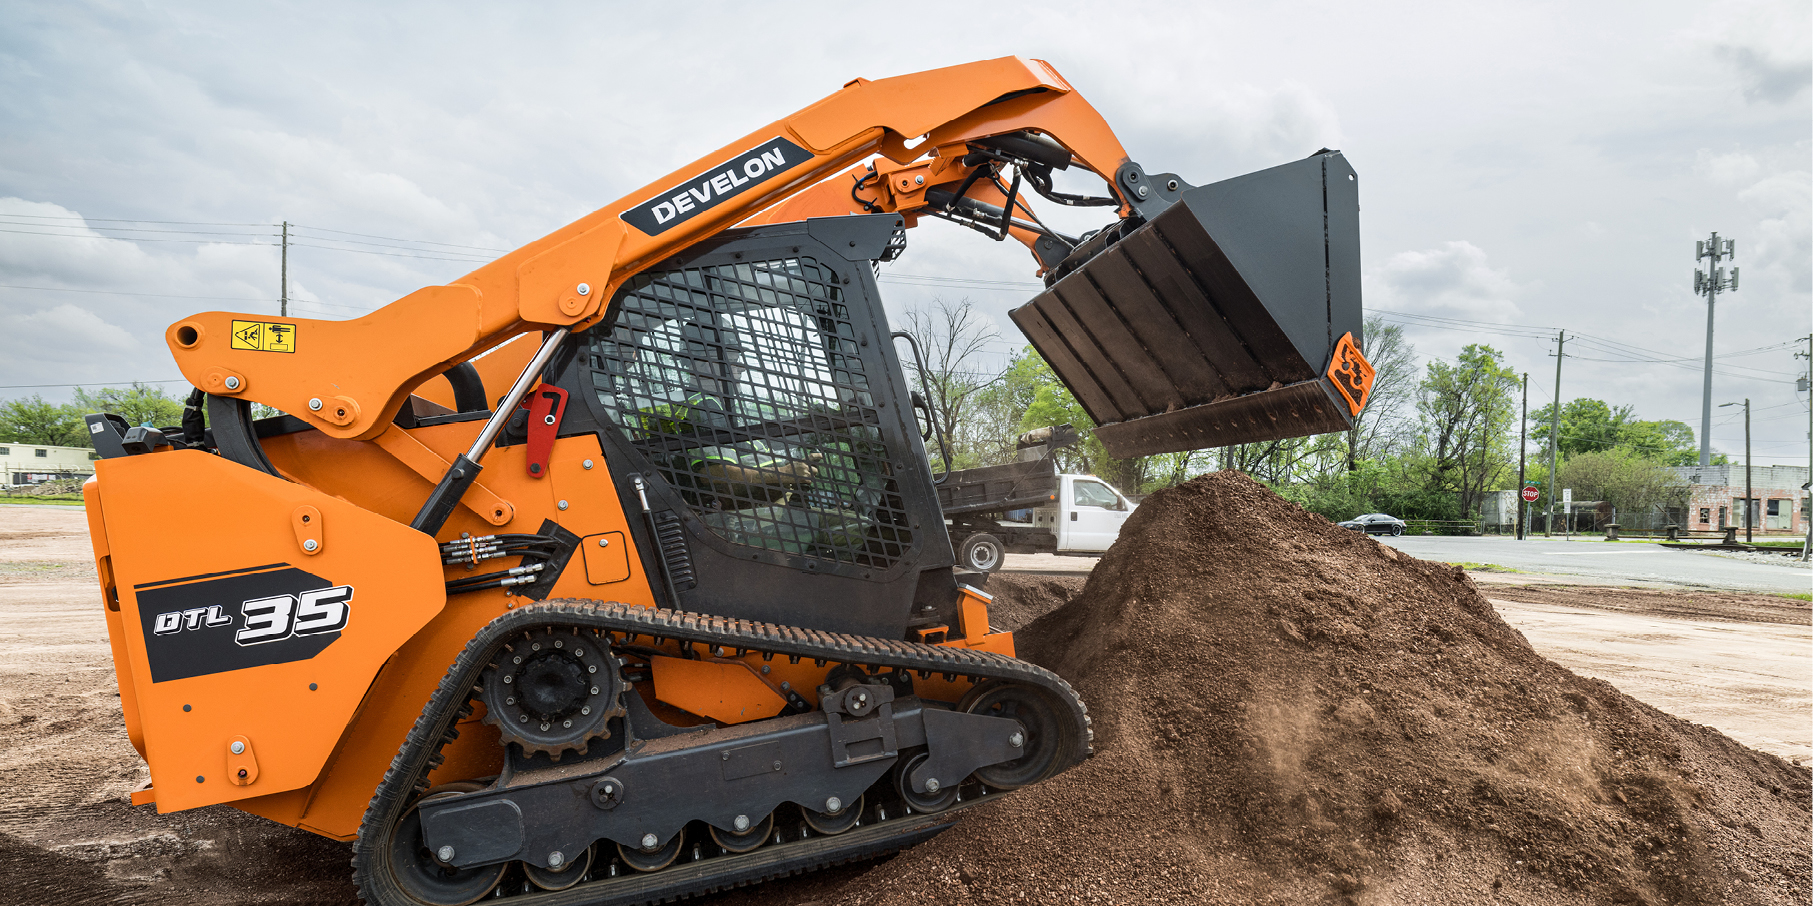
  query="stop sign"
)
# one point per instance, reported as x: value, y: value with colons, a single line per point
x: 1530, y: 494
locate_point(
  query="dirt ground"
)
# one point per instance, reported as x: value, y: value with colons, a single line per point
x: 68, y: 836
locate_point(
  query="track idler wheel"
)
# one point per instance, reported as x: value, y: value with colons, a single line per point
x: 928, y: 802
x: 747, y: 840
x: 655, y: 859
x: 1046, y: 745
x: 553, y: 690
x: 430, y: 880
x: 568, y: 874
x: 831, y: 824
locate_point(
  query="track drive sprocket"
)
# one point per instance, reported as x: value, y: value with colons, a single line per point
x: 553, y: 690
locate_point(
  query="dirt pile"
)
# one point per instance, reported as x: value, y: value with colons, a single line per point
x: 1021, y: 598
x: 1289, y: 712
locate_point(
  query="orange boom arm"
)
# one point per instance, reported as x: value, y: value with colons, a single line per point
x: 349, y: 378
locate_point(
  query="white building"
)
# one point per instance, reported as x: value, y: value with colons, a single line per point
x: 34, y: 463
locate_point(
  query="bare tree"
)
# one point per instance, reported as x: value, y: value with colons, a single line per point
x: 954, y: 338
x: 1382, y: 424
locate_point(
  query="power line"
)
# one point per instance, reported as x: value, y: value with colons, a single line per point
x: 112, y: 292
x: 135, y: 239
x: 87, y: 384
x: 475, y: 248
x: 119, y: 220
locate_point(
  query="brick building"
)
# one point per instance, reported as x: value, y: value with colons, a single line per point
x: 1716, y: 498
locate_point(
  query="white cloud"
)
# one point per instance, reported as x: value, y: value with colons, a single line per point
x: 1725, y: 169
x: 1453, y: 280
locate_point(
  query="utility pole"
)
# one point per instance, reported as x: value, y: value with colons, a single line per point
x: 1806, y: 547
x: 1548, y: 524
x: 1710, y: 283
x: 283, y: 299
x: 1748, y: 517
x: 1523, y: 445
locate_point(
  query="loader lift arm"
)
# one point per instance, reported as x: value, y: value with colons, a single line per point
x: 348, y: 379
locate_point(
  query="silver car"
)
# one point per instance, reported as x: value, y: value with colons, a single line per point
x: 1375, y: 524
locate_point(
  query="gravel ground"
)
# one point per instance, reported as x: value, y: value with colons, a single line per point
x: 1779, y: 559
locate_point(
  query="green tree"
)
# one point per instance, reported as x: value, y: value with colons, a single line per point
x: 1590, y: 425
x: 1633, y: 483
x: 1467, y: 410
x: 34, y: 421
x: 138, y: 404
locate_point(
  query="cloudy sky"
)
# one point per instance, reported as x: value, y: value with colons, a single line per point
x: 1525, y: 168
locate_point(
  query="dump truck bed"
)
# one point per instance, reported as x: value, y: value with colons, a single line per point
x: 989, y: 489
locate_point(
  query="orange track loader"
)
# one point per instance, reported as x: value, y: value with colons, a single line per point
x: 613, y: 571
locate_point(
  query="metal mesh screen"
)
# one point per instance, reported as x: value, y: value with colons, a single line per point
x: 745, y: 387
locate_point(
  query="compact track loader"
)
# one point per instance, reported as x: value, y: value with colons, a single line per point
x: 613, y: 571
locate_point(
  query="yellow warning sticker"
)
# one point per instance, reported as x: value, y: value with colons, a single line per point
x: 264, y: 336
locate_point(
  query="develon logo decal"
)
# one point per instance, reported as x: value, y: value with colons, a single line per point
x: 726, y: 181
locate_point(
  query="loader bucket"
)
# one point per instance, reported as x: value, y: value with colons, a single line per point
x: 1233, y: 316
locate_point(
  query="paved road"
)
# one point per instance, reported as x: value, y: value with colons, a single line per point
x: 1614, y: 561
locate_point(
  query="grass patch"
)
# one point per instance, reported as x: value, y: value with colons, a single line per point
x: 58, y: 500
x: 1797, y: 595
x: 1778, y: 545
x: 1470, y: 566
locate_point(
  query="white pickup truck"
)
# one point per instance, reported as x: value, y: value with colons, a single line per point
x: 1029, y: 508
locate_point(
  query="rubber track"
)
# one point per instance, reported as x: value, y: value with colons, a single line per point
x: 420, y: 753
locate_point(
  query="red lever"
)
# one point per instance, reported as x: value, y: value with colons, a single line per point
x: 546, y: 406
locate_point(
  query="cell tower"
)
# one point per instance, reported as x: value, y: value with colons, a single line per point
x: 1709, y: 283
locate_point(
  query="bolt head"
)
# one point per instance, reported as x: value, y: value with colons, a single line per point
x: 239, y: 748
x: 931, y: 784
x: 232, y: 382
x: 507, y: 680
x: 741, y: 823
x: 584, y: 289
x: 1017, y: 740
x: 604, y: 542
x: 650, y: 841
x: 555, y: 859
x: 587, y: 464
x: 1172, y: 185
x: 314, y: 404
x: 445, y: 854
x: 563, y: 504
x: 1142, y: 191
x: 310, y: 544
x: 833, y: 805
x: 919, y: 180
x: 585, y: 710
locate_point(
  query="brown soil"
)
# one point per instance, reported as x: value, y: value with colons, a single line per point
x: 1021, y: 599
x: 1285, y: 712
x: 1696, y: 605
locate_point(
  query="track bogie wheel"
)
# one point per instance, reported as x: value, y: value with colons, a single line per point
x: 652, y: 860
x: 746, y: 841
x: 927, y: 803
x: 569, y: 873
x: 427, y: 879
x: 831, y: 824
x: 1046, y: 745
